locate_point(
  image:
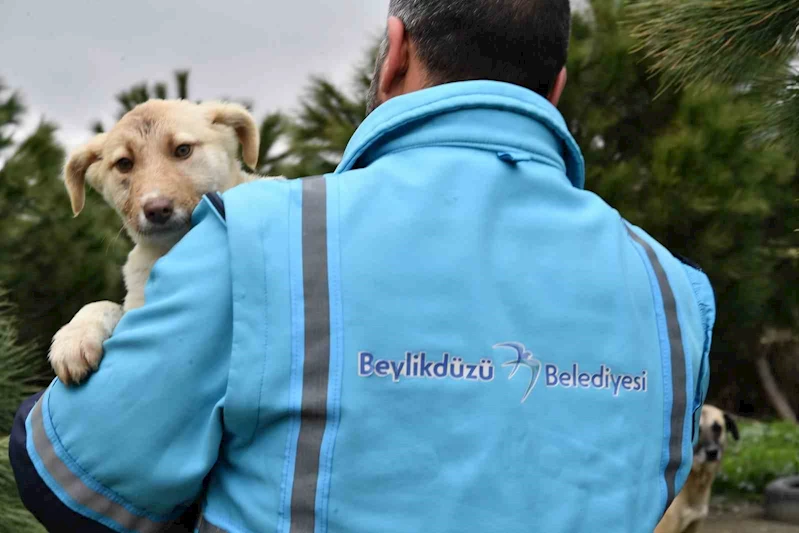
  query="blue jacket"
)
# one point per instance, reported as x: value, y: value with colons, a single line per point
x: 447, y: 334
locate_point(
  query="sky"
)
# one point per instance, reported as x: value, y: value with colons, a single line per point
x: 69, y: 59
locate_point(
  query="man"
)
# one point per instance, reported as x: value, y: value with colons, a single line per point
x: 447, y: 334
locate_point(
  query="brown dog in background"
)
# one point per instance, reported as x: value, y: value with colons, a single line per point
x: 690, y: 508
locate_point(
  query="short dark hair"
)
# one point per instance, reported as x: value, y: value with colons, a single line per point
x: 524, y: 42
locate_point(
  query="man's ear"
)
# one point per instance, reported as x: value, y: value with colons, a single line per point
x: 237, y: 117
x: 397, y: 59
x: 75, y: 170
x: 732, y: 427
x: 557, y: 88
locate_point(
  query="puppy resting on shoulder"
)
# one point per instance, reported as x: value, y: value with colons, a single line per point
x: 153, y: 168
x: 690, y: 508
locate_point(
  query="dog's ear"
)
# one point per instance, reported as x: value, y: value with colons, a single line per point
x: 237, y: 117
x: 731, y: 426
x: 75, y: 170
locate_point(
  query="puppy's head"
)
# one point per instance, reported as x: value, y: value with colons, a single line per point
x: 714, y: 428
x: 156, y: 163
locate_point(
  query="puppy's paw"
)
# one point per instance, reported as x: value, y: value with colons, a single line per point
x: 76, y: 351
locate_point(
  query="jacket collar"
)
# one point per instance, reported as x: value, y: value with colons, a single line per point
x: 487, y: 113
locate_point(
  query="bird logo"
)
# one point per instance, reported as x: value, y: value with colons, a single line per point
x: 524, y: 357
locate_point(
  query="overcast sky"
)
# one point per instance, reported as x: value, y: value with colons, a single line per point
x: 69, y: 58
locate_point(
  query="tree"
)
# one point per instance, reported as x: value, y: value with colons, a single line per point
x: 270, y: 156
x: 328, y: 117
x: 730, y: 42
x: 51, y: 266
x: 18, y: 373
x: 684, y: 164
x: 140, y: 93
x: 53, y: 263
x: 750, y: 45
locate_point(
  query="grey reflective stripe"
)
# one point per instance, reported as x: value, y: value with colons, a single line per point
x: 207, y: 527
x: 313, y: 412
x: 678, y: 403
x: 76, y: 489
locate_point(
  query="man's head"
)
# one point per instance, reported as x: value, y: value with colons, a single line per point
x: 432, y: 42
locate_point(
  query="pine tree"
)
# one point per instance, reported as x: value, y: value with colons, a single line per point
x: 328, y: 117
x: 684, y: 164
x: 745, y: 43
x: 140, y: 93
x: 750, y: 45
x: 53, y: 263
x: 18, y: 372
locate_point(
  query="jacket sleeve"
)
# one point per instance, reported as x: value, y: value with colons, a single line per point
x: 129, y: 449
x: 706, y: 300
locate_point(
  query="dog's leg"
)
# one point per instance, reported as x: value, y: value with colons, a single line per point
x: 670, y: 523
x: 77, y: 348
x: 695, y: 527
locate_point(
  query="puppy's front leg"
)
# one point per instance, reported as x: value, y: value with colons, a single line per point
x: 77, y: 348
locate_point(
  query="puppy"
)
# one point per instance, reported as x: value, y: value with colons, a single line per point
x: 690, y: 508
x: 153, y: 168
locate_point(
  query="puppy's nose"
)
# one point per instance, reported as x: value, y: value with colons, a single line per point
x: 158, y: 210
x: 712, y: 455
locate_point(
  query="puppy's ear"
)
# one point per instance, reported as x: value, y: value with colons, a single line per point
x: 75, y: 171
x: 237, y: 117
x: 731, y: 426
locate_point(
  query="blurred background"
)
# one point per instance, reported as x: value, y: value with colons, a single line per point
x: 688, y: 120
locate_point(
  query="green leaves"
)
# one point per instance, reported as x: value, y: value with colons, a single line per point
x: 764, y: 453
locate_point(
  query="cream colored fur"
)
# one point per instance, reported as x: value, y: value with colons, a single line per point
x: 691, y: 506
x: 144, y: 162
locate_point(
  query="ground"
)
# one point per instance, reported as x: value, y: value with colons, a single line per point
x: 742, y: 518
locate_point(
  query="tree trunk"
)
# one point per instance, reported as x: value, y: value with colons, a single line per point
x: 775, y: 395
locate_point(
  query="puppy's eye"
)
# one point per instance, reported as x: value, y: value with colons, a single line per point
x: 124, y: 165
x: 183, y: 151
